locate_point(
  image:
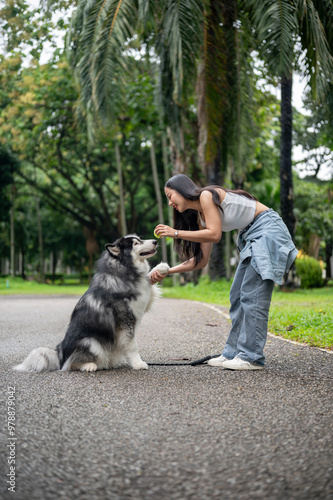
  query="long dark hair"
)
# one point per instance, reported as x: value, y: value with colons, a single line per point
x: 188, y: 220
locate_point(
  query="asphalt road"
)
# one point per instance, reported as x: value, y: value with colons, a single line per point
x: 172, y: 432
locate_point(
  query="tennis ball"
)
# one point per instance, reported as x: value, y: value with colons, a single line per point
x: 156, y: 235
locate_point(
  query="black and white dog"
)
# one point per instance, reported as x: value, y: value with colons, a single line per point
x: 103, y: 326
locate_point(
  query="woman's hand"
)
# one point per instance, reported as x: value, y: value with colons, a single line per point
x: 157, y: 277
x: 164, y: 231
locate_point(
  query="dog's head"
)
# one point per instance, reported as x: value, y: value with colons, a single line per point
x: 132, y: 246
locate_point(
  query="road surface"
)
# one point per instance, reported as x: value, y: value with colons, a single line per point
x: 171, y: 432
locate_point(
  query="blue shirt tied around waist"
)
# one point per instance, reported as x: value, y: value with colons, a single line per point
x: 268, y: 242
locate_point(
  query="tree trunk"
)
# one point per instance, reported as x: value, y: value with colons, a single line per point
x: 12, y: 233
x: 170, y: 218
x: 329, y: 247
x: 158, y: 196
x: 41, y: 243
x: 286, y: 178
x: 91, y: 247
x: 329, y: 258
x: 314, y: 245
x: 121, y: 192
x: 176, y: 152
x: 217, y: 106
x: 23, y: 275
x: 216, y: 267
x: 54, y: 265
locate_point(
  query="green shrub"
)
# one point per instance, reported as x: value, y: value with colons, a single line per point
x: 309, y: 271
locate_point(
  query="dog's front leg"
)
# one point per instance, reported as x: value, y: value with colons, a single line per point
x: 134, y: 357
x: 162, y: 268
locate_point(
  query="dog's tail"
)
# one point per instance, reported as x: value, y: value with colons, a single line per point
x: 42, y: 359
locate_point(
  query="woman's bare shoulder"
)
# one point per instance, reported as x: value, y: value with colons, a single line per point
x: 207, y: 195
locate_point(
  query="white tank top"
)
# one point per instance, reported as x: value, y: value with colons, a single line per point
x: 238, y: 212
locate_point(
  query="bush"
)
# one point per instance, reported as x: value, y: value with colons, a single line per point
x: 309, y: 271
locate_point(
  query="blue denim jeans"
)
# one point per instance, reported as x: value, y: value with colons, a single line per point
x: 250, y: 298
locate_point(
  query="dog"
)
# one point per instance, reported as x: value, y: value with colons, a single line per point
x: 103, y: 327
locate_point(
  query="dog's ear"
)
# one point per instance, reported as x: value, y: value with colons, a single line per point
x: 113, y: 249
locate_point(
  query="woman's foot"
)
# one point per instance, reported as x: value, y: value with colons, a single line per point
x: 217, y: 361
x: 240, y: 364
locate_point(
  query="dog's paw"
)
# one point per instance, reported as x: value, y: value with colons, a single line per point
x: 141, y: 365
x: 88, y: 367
x: 162, y: 268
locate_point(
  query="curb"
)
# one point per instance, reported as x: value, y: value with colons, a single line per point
x: 225, y: 315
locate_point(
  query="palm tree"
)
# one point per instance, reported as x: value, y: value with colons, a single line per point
x: 183, y: 33
x: 219, y: 36
x: 286, y: 30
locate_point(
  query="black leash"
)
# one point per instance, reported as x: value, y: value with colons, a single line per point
x: 193, y: 363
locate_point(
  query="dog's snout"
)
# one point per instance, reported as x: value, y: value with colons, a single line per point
x: 155, y: 242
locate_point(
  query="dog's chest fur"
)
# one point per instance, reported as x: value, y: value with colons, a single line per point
x: 141, y: 302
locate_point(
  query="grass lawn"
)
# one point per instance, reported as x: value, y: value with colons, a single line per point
x: 305, y: 316
x: 301, y: 315
x: 17, y: 286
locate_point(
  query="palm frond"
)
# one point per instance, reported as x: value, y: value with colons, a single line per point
x: 276, y: 27
x: 280, y: 24
x: 316, y: 36
x: 96, y: 46
x: 145, y: 8
x: 180, y: 39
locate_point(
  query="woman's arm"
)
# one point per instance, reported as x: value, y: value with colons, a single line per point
x: 200, y: 236
x: 211, y: 234
x: 187, y: 266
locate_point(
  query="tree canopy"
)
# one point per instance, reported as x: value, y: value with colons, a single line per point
x: 189, y: 79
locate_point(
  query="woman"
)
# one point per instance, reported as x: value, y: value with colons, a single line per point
x: 266, y: 254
